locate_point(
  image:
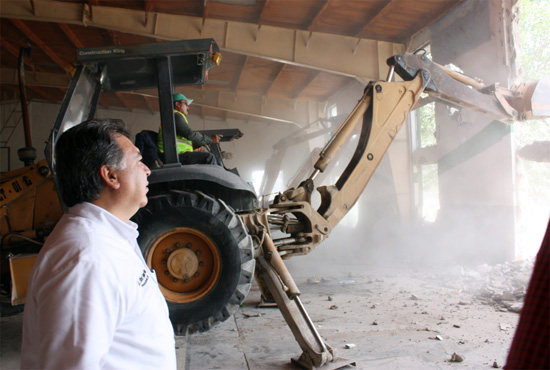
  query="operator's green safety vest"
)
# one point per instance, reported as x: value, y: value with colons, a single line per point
x: 183, y: 144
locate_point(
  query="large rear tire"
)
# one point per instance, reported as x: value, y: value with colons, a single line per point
x: 202, y: 255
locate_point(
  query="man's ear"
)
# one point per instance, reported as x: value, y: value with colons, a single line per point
x: 109, y: 176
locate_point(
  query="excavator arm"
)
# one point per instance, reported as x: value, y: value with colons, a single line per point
x: 381, y: 111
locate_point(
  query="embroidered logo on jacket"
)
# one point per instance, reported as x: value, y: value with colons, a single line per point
x: 142, y: 280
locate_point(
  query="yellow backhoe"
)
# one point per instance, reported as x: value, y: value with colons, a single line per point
x: 203, y: 230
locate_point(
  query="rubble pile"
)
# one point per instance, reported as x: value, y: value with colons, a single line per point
x: 502, y: 286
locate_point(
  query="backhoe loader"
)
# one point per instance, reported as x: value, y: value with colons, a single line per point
x: 203, y: 230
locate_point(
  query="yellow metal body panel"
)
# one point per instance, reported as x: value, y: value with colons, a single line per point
x: 28, y: 200
x: 21, y: 268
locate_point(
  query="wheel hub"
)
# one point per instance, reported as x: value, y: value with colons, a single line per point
x: 183, y: 263
x: 187, y: 263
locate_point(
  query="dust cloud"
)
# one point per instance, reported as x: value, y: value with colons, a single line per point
x: 468, y: 232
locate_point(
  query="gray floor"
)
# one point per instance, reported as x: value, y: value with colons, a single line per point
x: 392, y: 319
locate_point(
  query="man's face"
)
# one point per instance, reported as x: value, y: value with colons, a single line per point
x: 182, y: 107
x: 133, y: 176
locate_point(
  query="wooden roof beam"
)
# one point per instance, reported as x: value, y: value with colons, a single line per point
x: 299, y: 47
x: 71, y: 35
x: 281, y: 69
x: 122, y: 98
x: 313, y: 20
x: 238, y: 76
x: 313, y: 75
x: 38, y: 78
x: 41, y: 44
x: 148, y: 103
x: 367, y: 22
x: 148, y: 8
x: 40, y: 91
x: 13, y: 50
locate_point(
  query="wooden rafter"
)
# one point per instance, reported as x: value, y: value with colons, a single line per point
x: 314, y: 19
x: 262, y: 12
x: 279, y: 72
x: 148, y: 8
x: 372, y: 17
x: 312, y: 76
x: 22, y: 26
x: 238, y: 76
x: 148, y: 104
x: 40, y: 91
x: 13, y: 50
x: 71, y: 35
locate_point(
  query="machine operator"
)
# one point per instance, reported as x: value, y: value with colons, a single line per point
x: 186, y: 137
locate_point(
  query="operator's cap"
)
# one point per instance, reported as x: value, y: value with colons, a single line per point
x: 179, y: 97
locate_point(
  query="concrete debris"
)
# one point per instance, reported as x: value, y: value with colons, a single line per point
x: 515, y: 307
x: 349, y: 346
x: 505, y: 326
x: 456, y: 357
x: 413, y: 297
x: 247, y: 315
x: 347, y: 282
x: 502, y: 286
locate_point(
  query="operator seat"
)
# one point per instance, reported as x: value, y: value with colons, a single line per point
x: 146, y: 142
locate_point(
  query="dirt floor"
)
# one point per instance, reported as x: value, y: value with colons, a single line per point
x: 377, y: 317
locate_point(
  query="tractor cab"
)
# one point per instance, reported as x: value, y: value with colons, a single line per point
x: 153, y: 69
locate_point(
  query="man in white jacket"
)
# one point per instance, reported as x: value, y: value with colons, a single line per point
x: 92, y: 302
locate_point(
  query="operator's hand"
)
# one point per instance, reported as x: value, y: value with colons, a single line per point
x: 216, y: 139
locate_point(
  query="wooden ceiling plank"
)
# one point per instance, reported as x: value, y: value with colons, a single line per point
x: 148, y: 104
x: 373, y: 16
x: 260, y: 19
x: 91, y: 4
x: 71, y: 35
x: 115, y: 37
x: 125, y: 103
x: 41, y: 44
x: 262, y: 11
x: 308, y: 82
x: 275, y: 43
x: 43, y: 94
x: 315, y: 17
x: 13, y: 50
x: 281, y: 68
x: 148, y: 8
x: 205, y: 9
x: 238, y: 76
x: 45, y: 79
